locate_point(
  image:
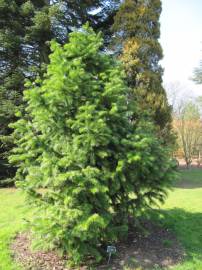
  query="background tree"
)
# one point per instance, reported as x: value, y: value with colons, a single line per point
x: 77, y: 141
x: 179, y: 94
x: 27, y: 26
x: 11, y: 74
x: 198, y: 74
x: 188, y: 126
x: 137, y: 31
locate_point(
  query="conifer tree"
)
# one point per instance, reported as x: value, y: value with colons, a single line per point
x: 137, y: 32
x: 77, y: 142
x: 11, y: 77
x: 27, y: 27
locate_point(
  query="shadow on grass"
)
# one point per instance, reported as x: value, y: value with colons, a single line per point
x: 187, y: 227
x: 189, y: 178
x: 187, y: 184
x: 174, y: 238
x: 153, y: 245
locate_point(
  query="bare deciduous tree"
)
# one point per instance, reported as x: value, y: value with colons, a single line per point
x: 188, y: 126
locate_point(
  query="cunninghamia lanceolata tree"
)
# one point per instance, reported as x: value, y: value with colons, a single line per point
x: 95, y: 166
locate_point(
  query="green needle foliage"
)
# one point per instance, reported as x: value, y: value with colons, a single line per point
x: 137, y: 32
x: 96, y: 167
x: 27, y: 27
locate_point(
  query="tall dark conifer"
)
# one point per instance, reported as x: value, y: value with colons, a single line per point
x: 12, y: 62
x: 137, y: 31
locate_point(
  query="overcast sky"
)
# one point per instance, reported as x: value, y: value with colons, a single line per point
x: 181, y: 39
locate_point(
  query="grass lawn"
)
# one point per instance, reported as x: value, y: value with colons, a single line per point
x: 182, y: 212
x: 12, y: 212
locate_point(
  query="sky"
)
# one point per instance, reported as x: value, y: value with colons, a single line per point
x: 181, y: 39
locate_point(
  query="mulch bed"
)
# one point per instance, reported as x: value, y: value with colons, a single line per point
x: 37, y: 260
x: 158, y: 247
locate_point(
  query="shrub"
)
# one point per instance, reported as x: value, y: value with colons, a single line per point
x: 77, y: 142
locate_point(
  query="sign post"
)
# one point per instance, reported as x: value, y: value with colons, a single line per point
x: 110, y: 250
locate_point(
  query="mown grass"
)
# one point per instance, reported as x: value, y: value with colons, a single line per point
x: 12, y: 212
x: 190, y: 178
x: 182, y: 213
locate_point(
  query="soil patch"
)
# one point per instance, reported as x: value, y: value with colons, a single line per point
x: 156, y: 247
x: 35, y: 260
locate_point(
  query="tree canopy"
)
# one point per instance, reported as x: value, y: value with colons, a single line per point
x: 27, y: 27
x: 137, y: 31
x: 198, y: 74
